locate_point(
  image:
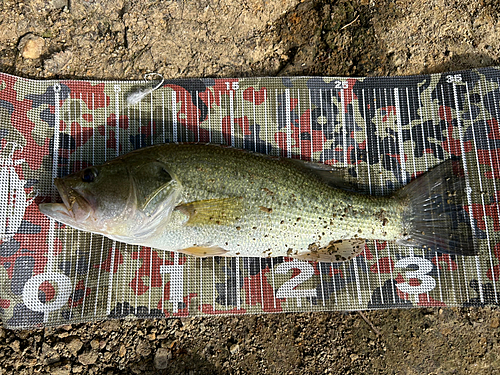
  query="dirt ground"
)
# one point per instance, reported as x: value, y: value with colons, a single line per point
x: 212, y: 38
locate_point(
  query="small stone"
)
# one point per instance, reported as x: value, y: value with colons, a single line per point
x: 162, y: 358
x: 108, y: 325
x: 235, y: 348
x: 51, y: 356
x: 74, y: 346
x: 57, y: 4
x: 95, y: 344
x: 31, y: 46
x: 88, y: 358
x: 143, y: 348
x: 15, y: 346
x: 495, y: 323
x: 64, y: 370
x: 122, y: 351
x: 354, y: 357
x: 58, y: 61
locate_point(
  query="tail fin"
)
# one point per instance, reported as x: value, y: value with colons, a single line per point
x: 435, y: 217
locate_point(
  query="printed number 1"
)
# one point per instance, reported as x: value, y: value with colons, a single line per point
x: 232, y: 85
x: 176, y: 283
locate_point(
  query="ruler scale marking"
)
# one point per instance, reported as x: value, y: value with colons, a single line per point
x: 468, y: 188
x: 351, y: 294
x: 481, y: 188
x: 491, y: 163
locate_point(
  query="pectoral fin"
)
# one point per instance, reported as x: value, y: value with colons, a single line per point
x: 334, y: 252
x: 204, y: 251
x: 213, y: 211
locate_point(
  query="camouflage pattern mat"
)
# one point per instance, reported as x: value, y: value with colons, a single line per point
x: 386, y: 130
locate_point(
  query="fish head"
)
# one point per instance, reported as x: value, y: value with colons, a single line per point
x: 125, y: 199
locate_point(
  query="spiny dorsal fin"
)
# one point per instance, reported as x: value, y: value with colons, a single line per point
x: 223, y: 211
x: 334, y: 252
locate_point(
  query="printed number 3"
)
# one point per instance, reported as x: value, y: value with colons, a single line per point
x: 427, y: 283
x: 287, y: 290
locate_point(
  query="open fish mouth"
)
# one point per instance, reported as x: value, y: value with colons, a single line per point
x: 74, y: 209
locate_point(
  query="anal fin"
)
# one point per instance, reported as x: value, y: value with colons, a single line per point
x: 335, y: 252
x: 204, y: 251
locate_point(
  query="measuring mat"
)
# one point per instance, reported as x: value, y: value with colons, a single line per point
x: 384, y: 130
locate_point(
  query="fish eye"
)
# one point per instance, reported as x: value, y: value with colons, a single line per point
x: 89, y: 175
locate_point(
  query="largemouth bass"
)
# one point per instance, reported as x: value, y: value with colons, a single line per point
x: 208, y: 200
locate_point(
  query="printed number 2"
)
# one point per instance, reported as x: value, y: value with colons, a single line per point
x: 427, y: 283
x: 232, y: 85
x: 287, y: 289
x: 453, y: 78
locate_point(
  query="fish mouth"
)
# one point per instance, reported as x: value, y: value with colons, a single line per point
x: 74, y: 209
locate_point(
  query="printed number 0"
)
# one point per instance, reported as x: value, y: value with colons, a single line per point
x: 287, y: 289
x: 63, y: 291
x: 424, y: 267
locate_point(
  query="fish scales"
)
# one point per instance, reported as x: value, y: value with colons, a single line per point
x: 303, y: 210
x: 209, y: 200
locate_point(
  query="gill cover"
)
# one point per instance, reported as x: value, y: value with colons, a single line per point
x: 156, y: 194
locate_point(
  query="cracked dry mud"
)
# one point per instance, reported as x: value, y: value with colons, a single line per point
x: 205, y: 38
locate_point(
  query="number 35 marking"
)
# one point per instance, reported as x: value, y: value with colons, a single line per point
x: 453, y: 78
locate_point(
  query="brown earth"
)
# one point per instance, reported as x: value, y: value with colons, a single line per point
x: 208, y: 38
